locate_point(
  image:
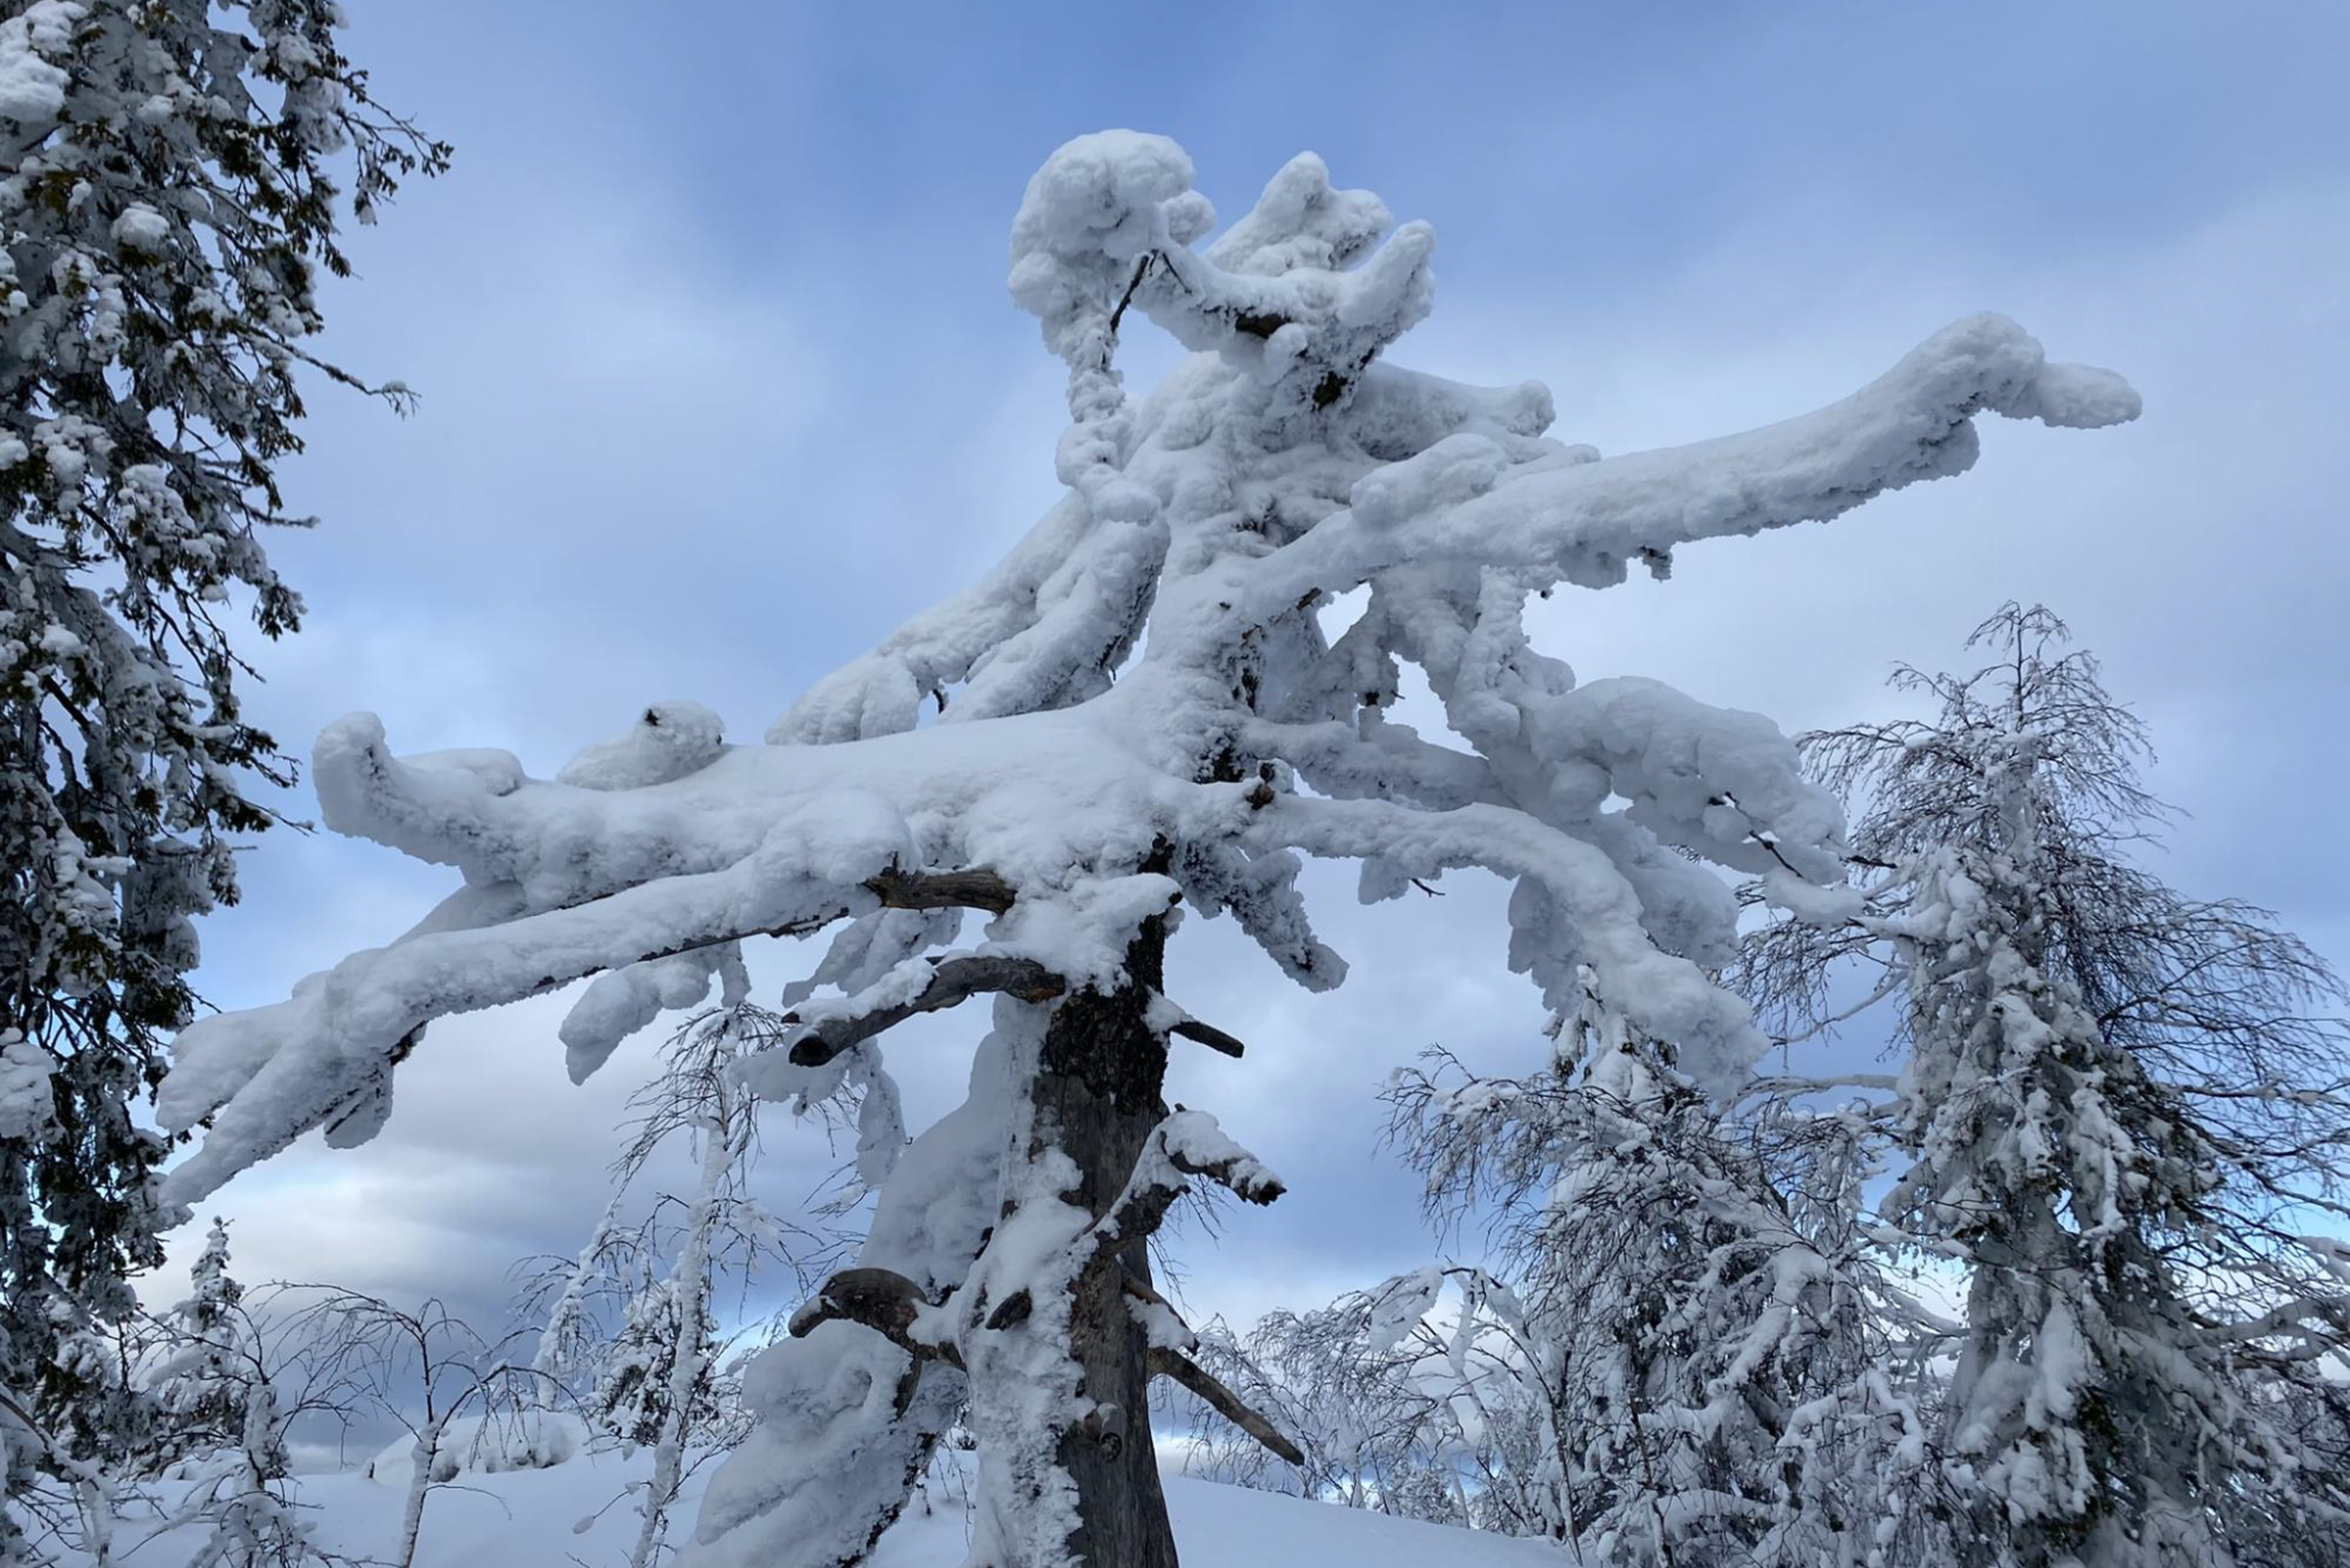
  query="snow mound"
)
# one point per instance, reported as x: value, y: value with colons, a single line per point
x: 534, y: 1439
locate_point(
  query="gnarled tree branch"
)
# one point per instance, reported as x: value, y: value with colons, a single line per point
x: 977, y: 888
x: 954, y: 981
x: 881, y: 1300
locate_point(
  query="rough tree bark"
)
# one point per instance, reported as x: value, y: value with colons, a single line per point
x: 1098, y: 1098
x: 1096, y: 1120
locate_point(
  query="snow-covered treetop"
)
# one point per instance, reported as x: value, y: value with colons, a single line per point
x: 1078, y: 781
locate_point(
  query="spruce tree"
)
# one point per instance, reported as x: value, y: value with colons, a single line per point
x: 172, y: 173
x: 1710, y: 1358
x: 199, y: 1385
x: 2122, y: 1113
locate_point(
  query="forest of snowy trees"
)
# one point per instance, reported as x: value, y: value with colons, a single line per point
x: 2060, y: 1277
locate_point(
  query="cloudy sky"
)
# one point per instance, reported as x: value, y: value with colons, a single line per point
x: 720, y: 381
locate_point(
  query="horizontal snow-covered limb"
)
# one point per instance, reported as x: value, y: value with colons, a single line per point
x: 1668, y: 997
x: 919, y: 985
x: 576, y: 882
x: 268, y: 1076
x: 1397, y: 413
x: 1375, y: 758
x: 573, y: 882
x: 1011, y: 795
x: 1587, y: 523
x: 560, y: 844
x: 1720, y: 781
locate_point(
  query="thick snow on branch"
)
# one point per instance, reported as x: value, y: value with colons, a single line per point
x: 1587, y: 523
x: 1188, y: 1143
x: 1277, y: 468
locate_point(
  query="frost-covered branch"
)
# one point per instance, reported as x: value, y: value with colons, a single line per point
x: 1188, y: 1143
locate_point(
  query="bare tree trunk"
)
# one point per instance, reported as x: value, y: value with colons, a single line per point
x: 424, y: 1456
x: 1098, y: 1098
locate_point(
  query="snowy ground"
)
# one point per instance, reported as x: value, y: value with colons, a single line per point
x: 527, y: 1519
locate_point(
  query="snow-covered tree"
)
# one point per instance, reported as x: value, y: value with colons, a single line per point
x: 168, y: 200
x: 1709, y: 1359
x: 199, y: 1394
x: 2122, y: 1118
x: 221, y: 1426
x: 616, y: 1336
x: 659, y: 1376
x: 632, y: 1395
x: 1081, y: 787
x: 564, y: 1296
x: 453, y: 1391
x: 1343, y: 1389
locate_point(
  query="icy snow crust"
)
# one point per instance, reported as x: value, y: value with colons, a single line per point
x: 1281, y: 466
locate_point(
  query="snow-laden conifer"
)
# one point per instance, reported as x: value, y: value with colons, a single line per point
x: 203, y: 1342
x: 171, y: 175
x: 2123, y: 1114
x: 1081, y: 790
x: 224, y: 1387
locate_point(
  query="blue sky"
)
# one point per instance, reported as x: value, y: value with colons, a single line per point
x: 719, y: 380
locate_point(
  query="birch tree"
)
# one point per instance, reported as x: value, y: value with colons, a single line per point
x: 1718, y: 1367
x: 432, y: 1373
